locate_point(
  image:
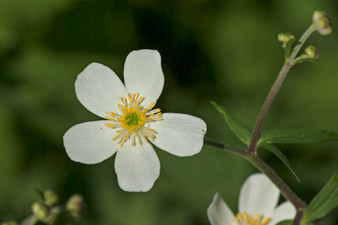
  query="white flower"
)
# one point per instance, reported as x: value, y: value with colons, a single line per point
x: 130, y: 121
x: 257, y: 205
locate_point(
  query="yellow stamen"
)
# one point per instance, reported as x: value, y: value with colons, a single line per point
x: 132, y: 119
x: 246, y: 219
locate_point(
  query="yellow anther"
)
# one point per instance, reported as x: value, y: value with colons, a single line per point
x: 246, y: 219
x: 132, y: 119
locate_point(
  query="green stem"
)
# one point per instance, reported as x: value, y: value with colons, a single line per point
x: 299, y: 204
x: 275, y: 88
x: 301, y: 41
x: 31, y: 220
x: 266, y: 106
x: 286, y: 191
x: 228, y: 148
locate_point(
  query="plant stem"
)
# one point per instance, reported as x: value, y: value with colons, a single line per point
x: 275, y: 88
x: 282, y: 186
x: 266, y: 106
x: 228, y: 148
x: 298, y: 217
x: 31, y: 220
x: 301, y: 41
x: 299, y: 204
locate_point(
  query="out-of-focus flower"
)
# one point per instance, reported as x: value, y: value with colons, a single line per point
x: 40, y: 211
x: 75, y: 205
x: 131, y: 121
x: 257, y: 205
x: 51, y: 198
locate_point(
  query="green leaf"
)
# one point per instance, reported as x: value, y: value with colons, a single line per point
x: 285, y: 222
x: 234, y: 124
x: 324, y: 202
x: 297, y: 136
x: 244, y: 135
x: 280, y: 155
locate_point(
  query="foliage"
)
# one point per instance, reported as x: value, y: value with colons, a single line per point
x: 219, y: 50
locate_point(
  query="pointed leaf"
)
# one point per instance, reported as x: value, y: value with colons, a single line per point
x: 234, y: 124
x: 324, y: 202
x: 297, y: 136
x: 280, y: 155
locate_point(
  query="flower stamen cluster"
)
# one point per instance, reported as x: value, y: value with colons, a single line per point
x: 132, y: 120
x: 246, y: 219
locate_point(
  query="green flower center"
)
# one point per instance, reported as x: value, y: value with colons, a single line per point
x: 130, y: 123
x: 132, y: 119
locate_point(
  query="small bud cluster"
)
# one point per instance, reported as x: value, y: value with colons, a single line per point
x: 50, y: 197
x: 322, y: 23
x: 75, y: 205
x: 311, y: 52
x: 47, y: 211
x: 284, y: 38
x: 40, y: 210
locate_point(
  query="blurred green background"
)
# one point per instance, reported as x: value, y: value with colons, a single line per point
x: 211, y: 50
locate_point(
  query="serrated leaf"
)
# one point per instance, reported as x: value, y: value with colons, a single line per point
x: 297, y: 136
x: 234, y: 124
x: 280, y: 155
x: 285, y: 222
x: 324, y: 202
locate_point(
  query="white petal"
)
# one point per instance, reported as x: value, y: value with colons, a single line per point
x: 143, y: 74
x: 98, y: 89
x: 90, y: 142
x: 258, y: 196
x: 137, y: 167
x: 219, y: 213
x: 285, y: 211
x: 179, y: 134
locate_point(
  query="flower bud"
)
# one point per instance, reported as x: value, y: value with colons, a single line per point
x: 75, y: 205
x: 311, y: 52
x: 322, y: 23
x: 9, y: 223
x: 285, y: 37
x: 40, y: 211
x: 50, y: 197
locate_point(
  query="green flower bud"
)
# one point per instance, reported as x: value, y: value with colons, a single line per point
x: 50, y: 197
x: 9, y: 223
x: 75, y: 205
x: 311, y: 52
x: 285, y: 37
x: 322, y: 23
x: 40, y: 211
